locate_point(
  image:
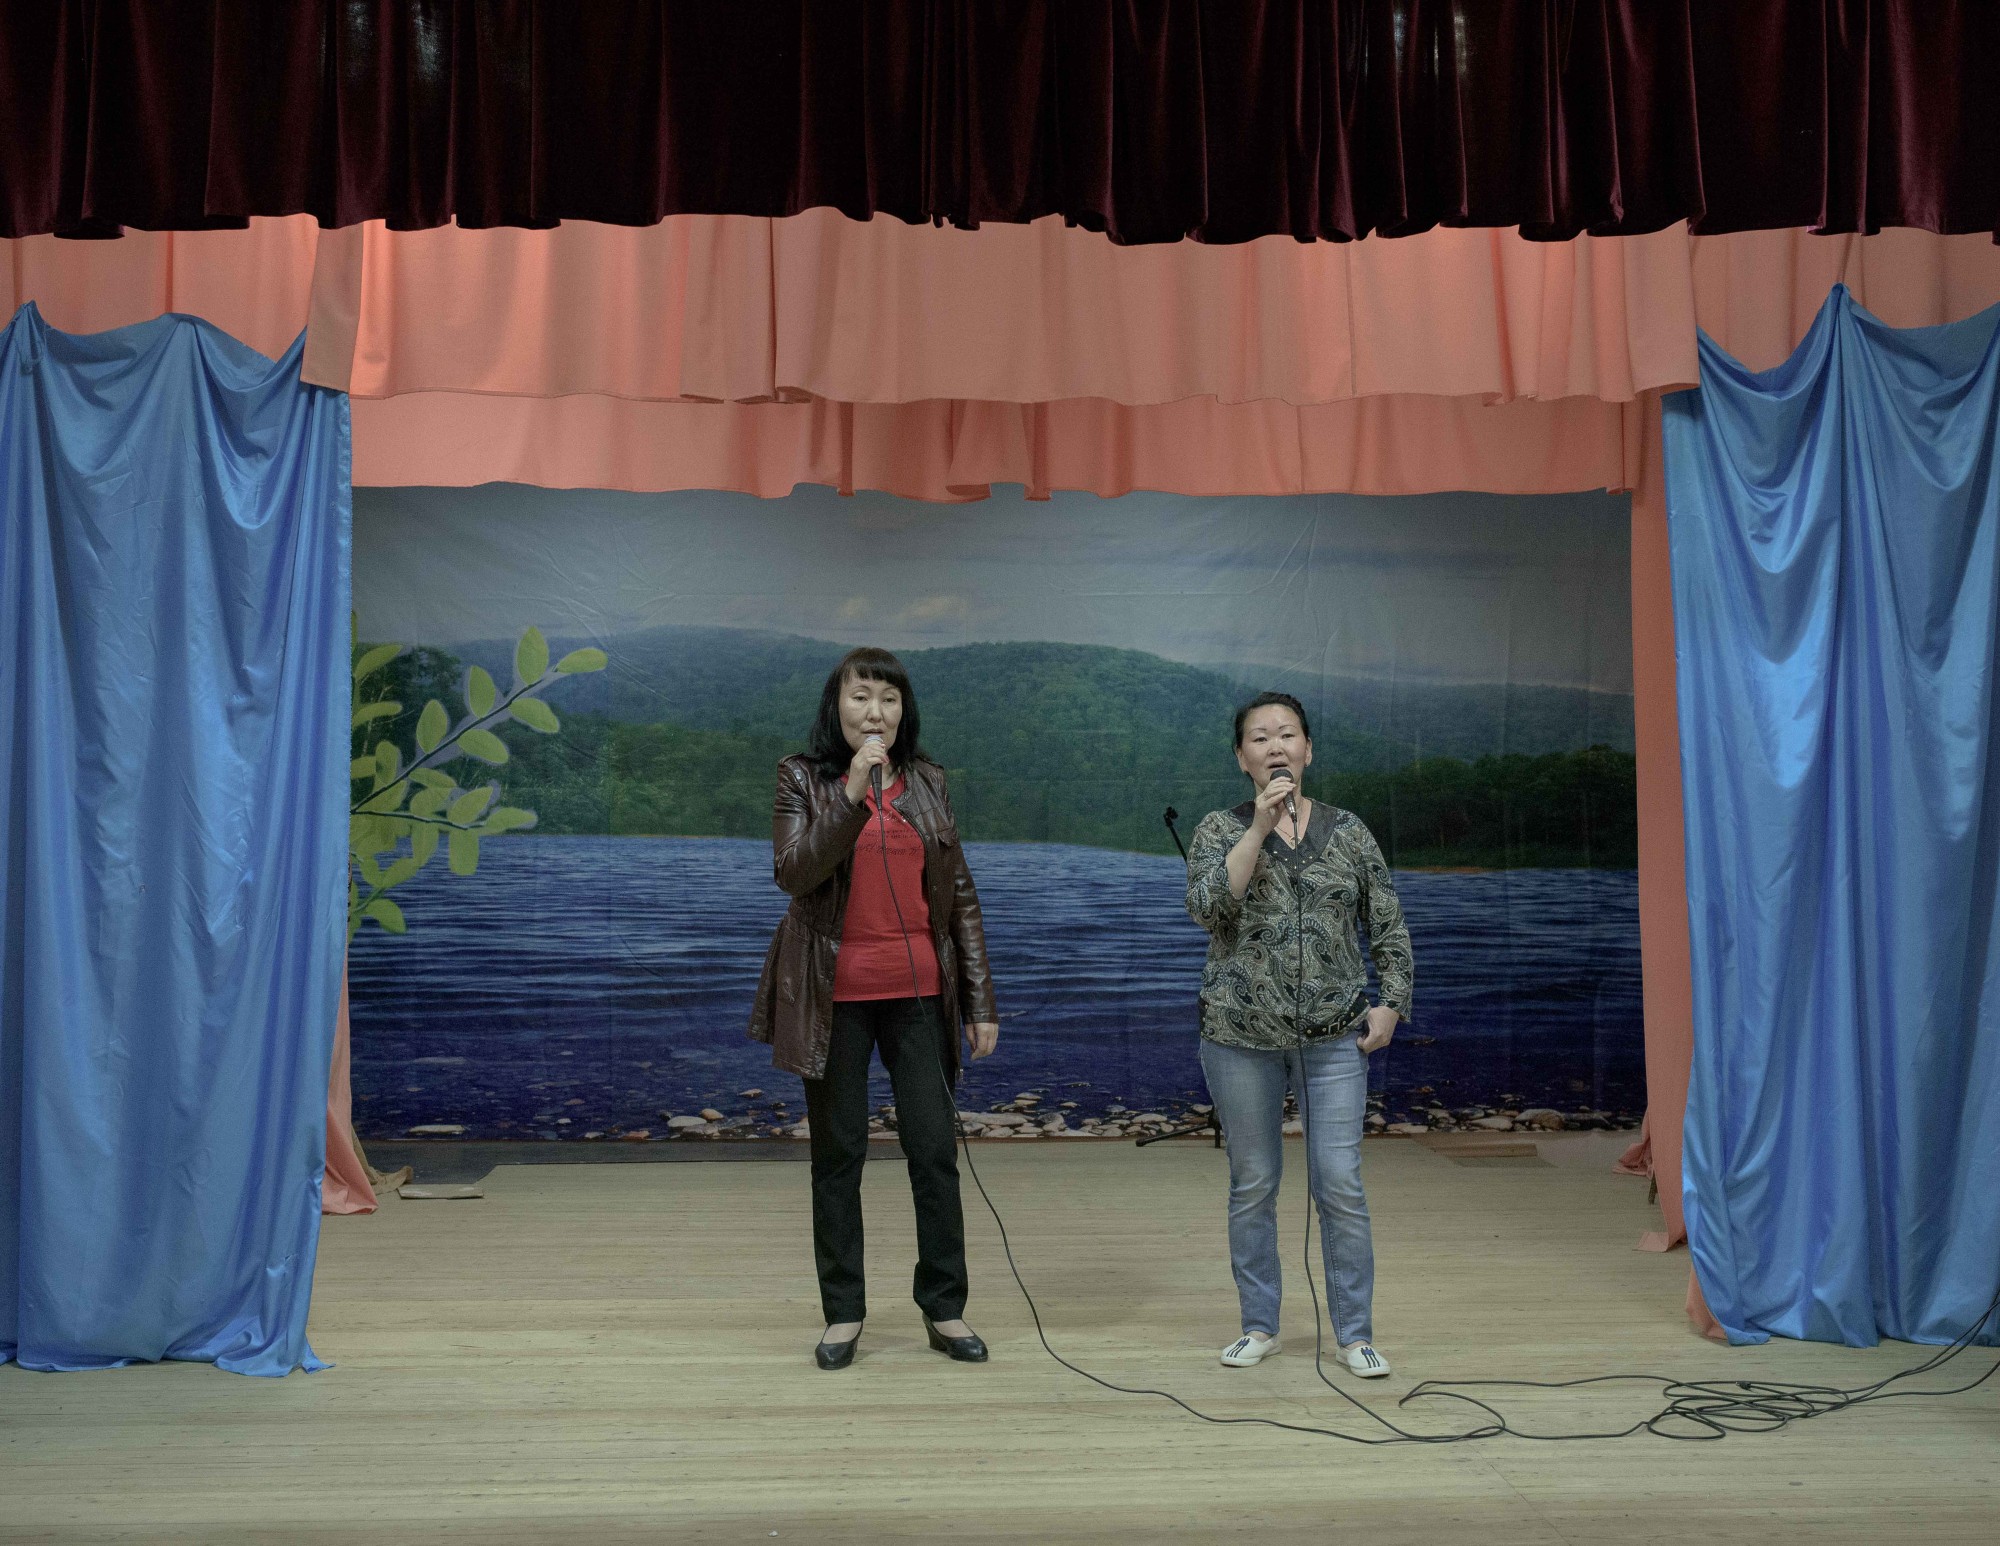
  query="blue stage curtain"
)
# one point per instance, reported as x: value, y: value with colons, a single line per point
x: 174, y: 549
x: 1835, y: 526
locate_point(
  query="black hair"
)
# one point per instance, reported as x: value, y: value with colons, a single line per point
x: 1265, y: 700
x: 828, y: 749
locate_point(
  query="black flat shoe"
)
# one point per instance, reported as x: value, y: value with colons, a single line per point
x: 961, y: 1349
x: 836, y: 1355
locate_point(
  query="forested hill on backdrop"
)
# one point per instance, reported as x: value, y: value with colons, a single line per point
x: 1064, y: 743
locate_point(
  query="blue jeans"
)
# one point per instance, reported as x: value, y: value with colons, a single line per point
x: 1249, y: 1091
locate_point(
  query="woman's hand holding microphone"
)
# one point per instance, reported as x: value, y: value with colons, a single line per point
x: 1271, y: 803
x: 873, y: 754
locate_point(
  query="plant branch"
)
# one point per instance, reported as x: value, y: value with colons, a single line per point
x: 422, y: 821
x: 442, y: 754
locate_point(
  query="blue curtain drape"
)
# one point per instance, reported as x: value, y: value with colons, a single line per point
x: 1835, y: 529
x: 174, y: 537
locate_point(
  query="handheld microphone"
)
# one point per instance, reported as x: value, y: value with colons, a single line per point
x: 1291, y: 800
x: 875, y: 773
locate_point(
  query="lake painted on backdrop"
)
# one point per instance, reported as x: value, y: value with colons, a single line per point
x: 591, y: 984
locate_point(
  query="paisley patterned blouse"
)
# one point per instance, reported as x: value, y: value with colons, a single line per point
x: 1256, y: 991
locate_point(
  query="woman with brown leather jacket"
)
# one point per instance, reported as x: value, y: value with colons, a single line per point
x: 882, y: 947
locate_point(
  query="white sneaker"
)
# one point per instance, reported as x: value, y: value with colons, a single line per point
x: 1247, y: 1350
x: 1363, y: 1360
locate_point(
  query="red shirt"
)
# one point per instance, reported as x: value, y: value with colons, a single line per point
x: 873, y: 963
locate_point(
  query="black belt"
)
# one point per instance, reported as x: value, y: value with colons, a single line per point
x: 1342, y: 1023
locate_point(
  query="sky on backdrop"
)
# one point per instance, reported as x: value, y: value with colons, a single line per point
x: 1443, y: 588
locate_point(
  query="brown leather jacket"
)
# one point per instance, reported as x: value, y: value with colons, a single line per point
x: 814, y: 827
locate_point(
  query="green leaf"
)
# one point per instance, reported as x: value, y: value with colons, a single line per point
x: 384, y: 801
x: 371, y: 872
x: 470, y: 806
x: 375, y: 660
x: 579, y: 661
x: 380, y: 709
x: 484, y: 745
x: 423, y: 844
x: 507, y: 818
x: 464, y: 853
x: 369, y: 835
x: 388, y: 763
x: 535, y: 714
x: 479, y: 692
x: 397, y: 827
x: 399, y: 872
x: 386, y: 913
x: 362, y: 767
x: 429, y: 802
x: 431, y: 727
x: 431, y: 778
x: 531, y: 656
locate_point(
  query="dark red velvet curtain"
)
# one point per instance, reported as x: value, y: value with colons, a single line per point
x: 1149, y: 119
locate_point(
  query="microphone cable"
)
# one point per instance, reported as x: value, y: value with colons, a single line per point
x: 1006, y: 1242
x: 1712, y: 1409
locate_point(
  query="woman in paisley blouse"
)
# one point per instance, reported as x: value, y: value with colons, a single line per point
x: 1281, y: 883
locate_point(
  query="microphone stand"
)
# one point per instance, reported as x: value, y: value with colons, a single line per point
x: 1209, y: 1126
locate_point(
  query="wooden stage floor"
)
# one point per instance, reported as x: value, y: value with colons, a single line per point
x: 620, y: 1353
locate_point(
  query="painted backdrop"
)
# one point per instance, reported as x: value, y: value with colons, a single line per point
x: 558, y: 927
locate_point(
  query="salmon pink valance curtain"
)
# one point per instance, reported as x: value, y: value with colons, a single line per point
x: 254, y: 284
x: 758, y: 354
x: 755, y: 355
x: 744, y: 310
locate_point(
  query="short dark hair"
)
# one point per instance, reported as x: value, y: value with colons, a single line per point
x: 1265, y: 700
x: 828, y: 749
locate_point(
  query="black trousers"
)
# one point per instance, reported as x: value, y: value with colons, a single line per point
x: 911, y: 1035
